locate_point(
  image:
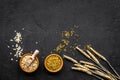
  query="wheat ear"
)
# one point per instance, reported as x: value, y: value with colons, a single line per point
x: 83, y: 52
x: 93, y: 57
x: 70, y: 59
x: 86, y: 71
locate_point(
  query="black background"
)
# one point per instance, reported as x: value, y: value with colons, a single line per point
x: 44, y: 20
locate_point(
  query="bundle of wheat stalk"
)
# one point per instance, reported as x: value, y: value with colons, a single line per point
x: 94, y: 68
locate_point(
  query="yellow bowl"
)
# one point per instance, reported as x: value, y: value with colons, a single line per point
x: 29, y: 69
x: 53, y: 63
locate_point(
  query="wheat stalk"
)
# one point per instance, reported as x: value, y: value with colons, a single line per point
x: 82, y: 69
x: 91, y: 67
x: 93, y: 57
x: 96, y: 61
x: 81, y: 66
x: 102, y: 57
x: 83, y: 52
x: 95, y: 52
x: 86, y: 71
x: 70, y: 59
x: 102, y: 74
x: 90, y: 64
x: 86, y: 63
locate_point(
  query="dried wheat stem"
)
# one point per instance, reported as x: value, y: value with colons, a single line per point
x: 108, y: 72
x: 83, y: 52
x: 70, y: 59
x: 78, y: 65
x: 82, y: 69
x: 90, y: 64
x: 102, y: 57
x: 86, y: 67
x: 81, y: 66
x: 89, y: 57
x: 86, y: 71
x: 97, y: 77
x: 102, y: 74
x: 118, y: 76
x: 95, y: 52
x: 93, y: 57
x: 87, y: 63
x: 91, y: 67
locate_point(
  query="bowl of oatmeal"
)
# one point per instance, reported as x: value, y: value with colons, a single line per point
x: 27, y: 64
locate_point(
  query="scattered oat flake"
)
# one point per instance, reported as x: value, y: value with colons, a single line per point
x: 8, y: 46
x: 14, y: 49
x: 11, y: 39
x: 19, y: 51
x: 10, y: 53
x: 36, y: 42
x: 16, y: 45
x: 23, y: 28
x: 18, y: 37
x: 12, y: 45
x: 11, y: 59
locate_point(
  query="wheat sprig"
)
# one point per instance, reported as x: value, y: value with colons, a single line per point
x: 102, y: 57
x: 70, y: 59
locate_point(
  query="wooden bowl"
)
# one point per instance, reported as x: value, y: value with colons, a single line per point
x: 53, y: 63
x: 29, y: 69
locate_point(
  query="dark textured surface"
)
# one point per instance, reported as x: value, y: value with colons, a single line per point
x: 98, y: 21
